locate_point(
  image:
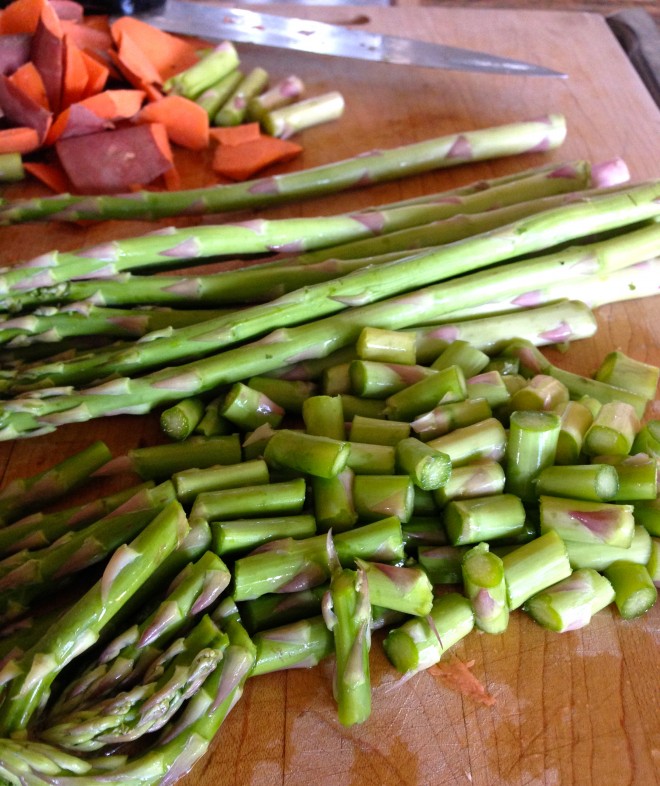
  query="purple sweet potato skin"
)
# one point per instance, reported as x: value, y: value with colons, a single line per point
x: 14, y: 51
x: 110, y: 162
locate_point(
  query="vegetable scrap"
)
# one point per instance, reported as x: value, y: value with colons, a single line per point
x: 64, y: 74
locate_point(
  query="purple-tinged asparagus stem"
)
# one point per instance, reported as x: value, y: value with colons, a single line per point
x: 380, y: 379
x: 447, y: 417
x: 461, y: 353
x: 270, y: 611
x: 542, y: 392
x: 588, y: 522
x: 334, y: 507
x: 322, y: 336
x: 282, y: 93
x: 489, y: 385
x: 247, y: 408
x: 291, y: 565
x: 347, y: 613
x: 379, y: 496
x: 400, y: 588
x: 479, y: 479
x: 442, y: 387
x: 40, y: 529
x: 485, y: 587
x: 570, y: 603
x: 289, y: 394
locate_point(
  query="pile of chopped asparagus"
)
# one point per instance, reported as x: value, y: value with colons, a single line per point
x: 426, y: 485
x: 354, y: 438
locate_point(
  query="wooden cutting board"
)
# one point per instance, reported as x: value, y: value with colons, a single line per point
x: 576, y: 708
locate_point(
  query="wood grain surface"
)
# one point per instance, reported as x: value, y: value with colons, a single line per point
x: 580, y: 708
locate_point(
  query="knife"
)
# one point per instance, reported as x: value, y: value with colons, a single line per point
x: 220, y: 23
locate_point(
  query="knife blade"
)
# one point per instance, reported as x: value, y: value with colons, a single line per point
x: 220, y: 23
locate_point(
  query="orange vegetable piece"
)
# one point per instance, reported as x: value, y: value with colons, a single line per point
x: 110, y: 105
x: 236, y: 135
x: 241, y: 162
x: 187, y: 124
x: 97, y: 74
x: 19, y: 139
x: 168, y: 54
x: 21, y: 16
x: 29, y: 80
x: 75, y: 77
x: 51, y: 175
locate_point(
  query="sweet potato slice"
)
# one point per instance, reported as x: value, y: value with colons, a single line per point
x: 20, y: 109
x: 113, y: 161
x: 168, y: 54
x: 186, y: 122
x: 241, y: 162
x: 20, y: 139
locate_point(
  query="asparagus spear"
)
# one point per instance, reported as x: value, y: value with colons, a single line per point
x: 79, y: 628
x: 23, y: 495
x: 376, y: 167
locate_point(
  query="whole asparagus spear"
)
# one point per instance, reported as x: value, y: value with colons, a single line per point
x: 377, y: 166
